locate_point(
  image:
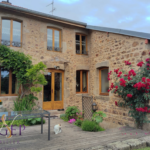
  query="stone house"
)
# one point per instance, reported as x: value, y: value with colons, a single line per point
x: 78, y: 58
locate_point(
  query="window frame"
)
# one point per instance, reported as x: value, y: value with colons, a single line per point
x: 81, y: 85
x: 11, y: 30
x: 81, y: 34
x: 53, y: 39
x: 10, y: 85
x: 100, y: 85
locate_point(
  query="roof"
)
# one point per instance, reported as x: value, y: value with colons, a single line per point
x: 32, y: 12
x: 76, y: 23
x: 120, y: 31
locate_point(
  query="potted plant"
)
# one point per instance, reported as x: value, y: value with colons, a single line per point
x: 1, y: 104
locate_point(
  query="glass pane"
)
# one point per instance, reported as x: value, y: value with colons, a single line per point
x: 57, y: 40
x: 6, y: 32
x: 78, y: 44
x: 49, y: 39
x: 78, y: 81
x: 14, y: 84
x: 16, y: 31
x: 83, y: 45
x: 84, y: 81
x: 104, y: 81
x: 4, y: 81
x: 47, y: 88
x: 58, y: 87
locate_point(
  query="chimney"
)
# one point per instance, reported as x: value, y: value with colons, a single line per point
x: 6, y: 2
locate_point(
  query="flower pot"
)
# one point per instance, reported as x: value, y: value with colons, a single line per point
x: 1, y: 106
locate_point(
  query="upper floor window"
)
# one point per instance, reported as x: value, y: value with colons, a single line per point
x: 81, y: 44
x: 8, y: 83
x: 11, y: 33
x: 82, y: 81
x: 54, y: 39
x: 103, y: 81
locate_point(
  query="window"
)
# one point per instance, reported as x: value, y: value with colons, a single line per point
x: 81, y: 44
x: 8, y: 83
x: 53, y: 39
x: 11, y: 33
x: 82, y: 81
x: 103, y: 81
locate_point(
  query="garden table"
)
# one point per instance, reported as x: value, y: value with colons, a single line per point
x: 18, y: 115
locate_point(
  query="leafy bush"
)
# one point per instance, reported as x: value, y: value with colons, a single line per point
x: 16, y: 122
x: 134, y: 87
x: 26, y: 122
x: 98, y: 116
x: 71, y: 112
x: 91, y: 126
x: 63, y: 117
x: 34, y: 121
x: 26, y: 103
x: 78, y: 122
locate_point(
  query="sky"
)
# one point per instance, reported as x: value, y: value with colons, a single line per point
x: 122, y: 14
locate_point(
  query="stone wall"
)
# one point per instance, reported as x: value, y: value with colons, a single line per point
x: 112, y: 51
x: 35, y: 45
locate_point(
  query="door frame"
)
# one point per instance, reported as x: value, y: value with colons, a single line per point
x: 53, y: 71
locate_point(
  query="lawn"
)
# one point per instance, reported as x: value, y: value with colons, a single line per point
x: 146, y: 148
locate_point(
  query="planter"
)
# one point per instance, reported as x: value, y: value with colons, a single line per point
x: 1, y: 106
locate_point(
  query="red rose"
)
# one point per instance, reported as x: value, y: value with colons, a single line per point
x: 143, y: 79
x: 129, y: 78
x: 127, y: 63
x: 129, y: 95
x: 140, y: 64
x: 122, y: 82
x: 116, y: 103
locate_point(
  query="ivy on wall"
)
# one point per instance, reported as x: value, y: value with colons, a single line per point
x: 29, y: 76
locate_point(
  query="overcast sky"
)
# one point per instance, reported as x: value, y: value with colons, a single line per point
x: 124, y: 14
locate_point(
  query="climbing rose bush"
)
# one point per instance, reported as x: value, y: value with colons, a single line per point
x: 134, y: 87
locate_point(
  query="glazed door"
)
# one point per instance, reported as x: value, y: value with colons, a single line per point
x: 53, y: 91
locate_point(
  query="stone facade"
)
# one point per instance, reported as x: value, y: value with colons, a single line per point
x: 104, y: 50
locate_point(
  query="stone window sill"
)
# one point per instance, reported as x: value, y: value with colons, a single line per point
x: 84, y: 94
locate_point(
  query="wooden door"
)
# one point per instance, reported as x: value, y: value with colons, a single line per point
x: 53, y: 91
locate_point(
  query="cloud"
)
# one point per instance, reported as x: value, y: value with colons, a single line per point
x: 91, y: 20
x: 69, y: 1
x: 126, y: 19
x: 148, y: 18
x: 111, y: 9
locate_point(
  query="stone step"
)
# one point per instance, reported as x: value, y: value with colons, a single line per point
x: 56, y: 113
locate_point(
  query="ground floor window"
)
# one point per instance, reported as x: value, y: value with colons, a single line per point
x: 103, y: 81
x: 82, y: 81
x: 8, y: 83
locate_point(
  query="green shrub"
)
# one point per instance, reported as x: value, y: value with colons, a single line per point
x: 98, y: 116
x: 34, y: 121
x: 26, y: 122
x: 71, y: 112
x: 16, y: 122
x: 78, y: 122
x: 26, y: 103
x: 63, y: 117
x: 91, y: 126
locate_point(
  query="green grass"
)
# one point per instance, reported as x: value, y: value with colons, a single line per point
x: 146, y: 148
